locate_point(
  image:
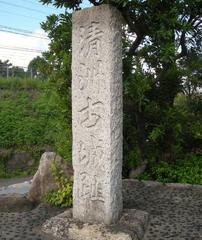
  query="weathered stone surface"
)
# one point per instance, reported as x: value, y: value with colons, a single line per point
x: 131, y: 226
x: 97, y: 114
x: 14, y: 202
x: 20, y: 160
x: 43, y: 181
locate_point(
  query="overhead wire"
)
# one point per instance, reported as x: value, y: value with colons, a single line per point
x: 20, y: 53
x: 22, y: 7
x: 21, y: 49
x: 12, y: 56
x: 19, y: 15
x: 37, y: 4
x: 22, y: 30
x: 23, y: 34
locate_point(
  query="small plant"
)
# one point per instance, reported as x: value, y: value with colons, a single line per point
x: 188, y: 170
x: 63, y: 196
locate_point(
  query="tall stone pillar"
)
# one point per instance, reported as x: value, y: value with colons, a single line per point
x: 97, y: 114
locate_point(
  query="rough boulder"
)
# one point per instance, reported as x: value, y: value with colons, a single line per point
x: 43, y: 180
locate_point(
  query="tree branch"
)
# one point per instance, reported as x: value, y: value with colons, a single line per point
x: 183, y: 46
x: 94, y: 2
x: 135, y: 45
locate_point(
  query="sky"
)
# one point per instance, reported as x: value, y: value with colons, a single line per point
x: 19, y: 16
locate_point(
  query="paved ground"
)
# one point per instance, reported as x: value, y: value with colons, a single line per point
x: 175, y: 214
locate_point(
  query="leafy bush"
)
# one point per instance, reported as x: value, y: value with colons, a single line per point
x: 183, y: 171
x: 63, y: 196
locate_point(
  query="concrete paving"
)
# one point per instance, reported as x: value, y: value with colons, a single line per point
x: 15, y: 185
x: 175, y: 213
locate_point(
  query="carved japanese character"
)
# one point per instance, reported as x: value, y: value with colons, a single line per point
x: 90, y: 39
x: 91, y: 114
x: 90, y: 187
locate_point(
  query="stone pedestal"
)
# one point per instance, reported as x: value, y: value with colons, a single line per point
x: 131, y: 226
x: 97, y: 114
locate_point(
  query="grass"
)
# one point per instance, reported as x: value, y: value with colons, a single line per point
x: 21, y: 83
x: 30, y: 118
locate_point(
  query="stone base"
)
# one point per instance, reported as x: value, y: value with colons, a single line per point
x: 131, y: 226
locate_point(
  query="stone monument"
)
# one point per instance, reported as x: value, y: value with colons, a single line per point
x: 97, y: 134
x: 97, y: 114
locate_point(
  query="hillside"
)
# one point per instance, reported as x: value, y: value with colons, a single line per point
x: 29, y: 124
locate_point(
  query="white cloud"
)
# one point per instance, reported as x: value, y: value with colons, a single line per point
x: 21, y: 58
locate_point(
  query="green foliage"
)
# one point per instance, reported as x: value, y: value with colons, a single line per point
x: 161, y: 60
x: 63, y: 196
x: 17, y: 83
x: 30, y: 120
x: 14, y: 173
x: 38, y: 67
x: 25, y: 118
x: 58, y: 60
x: 187, y: 170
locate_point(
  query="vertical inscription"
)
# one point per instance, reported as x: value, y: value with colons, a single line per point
x: 94, y: 110
x: 91, y: 114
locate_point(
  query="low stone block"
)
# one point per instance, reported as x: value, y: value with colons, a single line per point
x: 131, y: 226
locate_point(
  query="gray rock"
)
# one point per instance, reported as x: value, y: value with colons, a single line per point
x: 134, y: 173
x: 15, y: 202
x: 43, y: 181
x: 97, y: 114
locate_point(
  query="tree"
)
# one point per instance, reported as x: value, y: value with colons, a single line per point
x: 58, y: 68
x: 37, y: 67
x: 158, y: 35
x: 17, y: 72
x: 4, y: 65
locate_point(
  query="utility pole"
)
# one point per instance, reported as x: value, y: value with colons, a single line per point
x: 7, y: 72
x: 31, y: 73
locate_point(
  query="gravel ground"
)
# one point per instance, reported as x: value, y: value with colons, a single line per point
x: 175, y: 213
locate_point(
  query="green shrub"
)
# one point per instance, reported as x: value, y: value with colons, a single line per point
x: 63, y: 196
x: 188, y: 170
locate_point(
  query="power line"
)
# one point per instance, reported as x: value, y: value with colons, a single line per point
x: 19, y: 6
x: 37, y: 3
x: 19, y: 15
x: 21, y: 49
x: 21, y: 57
x: 20, y: 54
x: 23, y: 53
x: 9, y: 57
x: 22, y: 30
x: 23, y: 34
